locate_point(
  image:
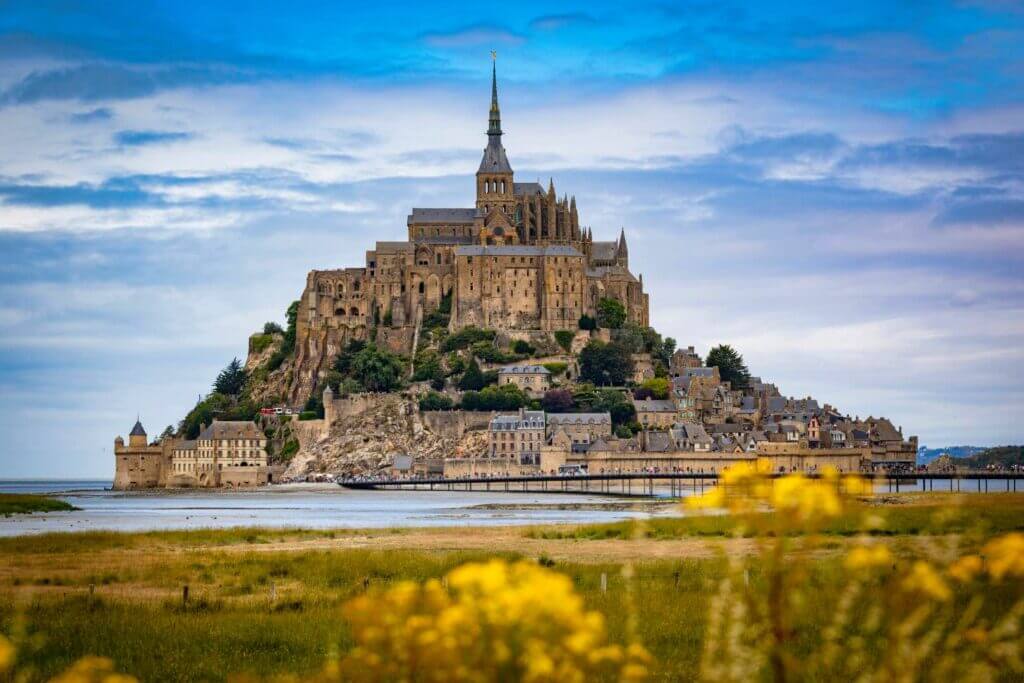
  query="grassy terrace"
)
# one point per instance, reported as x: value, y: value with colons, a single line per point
x: 19, y: 503
x: 265, y: 602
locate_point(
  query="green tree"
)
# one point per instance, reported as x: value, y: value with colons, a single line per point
x: 377, y: 369
x: 656, y: 388
x: 428, y: 366
x: 611, y: 314
x: 605, y: 364
x: 472, y: 378
x: 231, y: 380
x: 615, y: 403
x: 315, y: 405
x: 343, y: 361
x: 587, y: 322
x: 272, y: 328
x: 731, y: 367
x: 558, y: 401
x: 506, y: 397
x: 564, y: 339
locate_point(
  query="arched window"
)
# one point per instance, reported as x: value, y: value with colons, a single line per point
x: 503, y: 187
x: 355, y: 286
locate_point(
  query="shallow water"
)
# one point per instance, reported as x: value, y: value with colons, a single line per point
x: 308, y: 506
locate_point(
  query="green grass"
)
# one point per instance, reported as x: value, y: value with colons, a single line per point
x: 974, y: 513
x: 21, y: 503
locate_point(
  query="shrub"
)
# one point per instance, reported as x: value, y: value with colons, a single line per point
x: 564, y: 339
x: 428, y: 366
x: 657, y: 388
x: 556, y: 369
x: 377, y: 369
x: 272, y: 328
x: 587, y: 322
x: 435, y: 401
x: 309, y: 415
x: 437, y: 384
x: 507, y: 397
x: 523, y: 348
x: 259, y: 342
x: 465, y: 337
x: 290, y: 448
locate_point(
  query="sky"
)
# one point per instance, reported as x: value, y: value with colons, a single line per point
x: 834, y: 188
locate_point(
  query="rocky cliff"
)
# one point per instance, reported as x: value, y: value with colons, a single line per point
x: 366, y: 440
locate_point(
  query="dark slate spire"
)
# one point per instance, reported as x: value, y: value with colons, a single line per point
x: 494, y: 160
x: 137, y: 430
x: 494, y: 121
x: 623, y: 250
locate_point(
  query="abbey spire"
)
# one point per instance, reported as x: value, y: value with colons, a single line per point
x: 494, y: 184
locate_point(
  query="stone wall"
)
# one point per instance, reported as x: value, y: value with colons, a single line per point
x: 454, y: 424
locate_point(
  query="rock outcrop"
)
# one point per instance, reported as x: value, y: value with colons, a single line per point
x: 366, y: 441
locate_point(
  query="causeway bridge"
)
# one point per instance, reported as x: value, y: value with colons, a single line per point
x: 656, y: 484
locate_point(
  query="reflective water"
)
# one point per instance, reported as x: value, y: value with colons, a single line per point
x: 309, y: 506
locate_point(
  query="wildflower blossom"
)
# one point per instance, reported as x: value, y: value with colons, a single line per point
x: 1005, y: 556
x: 966, y: 568
x: 868, y: 557
x: 92, y: 670
x: 7, y: 654
x: 924, y: 579
x: 495, y: 621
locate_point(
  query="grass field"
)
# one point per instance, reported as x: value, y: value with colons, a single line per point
x: 265, y: 602
x: 20, y: 503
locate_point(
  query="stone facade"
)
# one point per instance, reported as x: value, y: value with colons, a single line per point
x: 517, y: 438
x: 225, y: 454
x: 533, y: 379
x: 517, y: 260
x: 137, y: 465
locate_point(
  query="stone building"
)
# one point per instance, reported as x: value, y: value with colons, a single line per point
x: 533, y: 379
x: 582, y: 429
x: 517, y: 260
x: 517, y: 438
x: 137, y: 465
x: 229, y: 453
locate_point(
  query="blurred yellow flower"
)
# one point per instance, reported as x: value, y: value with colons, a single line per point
x: 924, y: 579
x: 7, y: 654
x: 868, y: 557
x: 495, y: 621
x: 1005, y: 556
x: 92, y: 670
x: 966, y: 568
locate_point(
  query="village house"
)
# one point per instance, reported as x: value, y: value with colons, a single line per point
x: 533, y: 379
x: 581, y: 428
x: 517, y: 438
x: 655, y: 414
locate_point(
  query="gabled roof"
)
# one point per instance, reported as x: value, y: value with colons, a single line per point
x: 419, y: 215
x: 654, y: 406
x: 603, y: 251
x: 231, y: 429
x: 524, y: 370
x: 527, y: 188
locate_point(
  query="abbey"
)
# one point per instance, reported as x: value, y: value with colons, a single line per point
x: 517, y: 260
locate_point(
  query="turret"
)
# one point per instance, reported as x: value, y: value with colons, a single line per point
x: 137, y: 437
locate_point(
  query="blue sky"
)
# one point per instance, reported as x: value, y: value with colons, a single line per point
x: 836, y: 188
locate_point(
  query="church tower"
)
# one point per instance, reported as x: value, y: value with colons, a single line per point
x: 494, y: 186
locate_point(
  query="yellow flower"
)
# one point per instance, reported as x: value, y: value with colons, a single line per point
x: 1005, y: 556
x: 92, y: 670
x: 7, y: 654
x: 868, y: 557
x: 496, y: 621
x: 966, y: 568
x: 924, y: 579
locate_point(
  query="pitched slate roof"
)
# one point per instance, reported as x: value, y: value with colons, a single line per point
x: 494, y: 159
x: 524, y: 370
x: 603, y: 251
x: 527, y: 188
x: 654, y: 406
x: 531, y: 419
x: 419, y: 215
x: 516, y: 250
x: 231, y: 429
x: 137, y: 430
x: 579, y: 418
